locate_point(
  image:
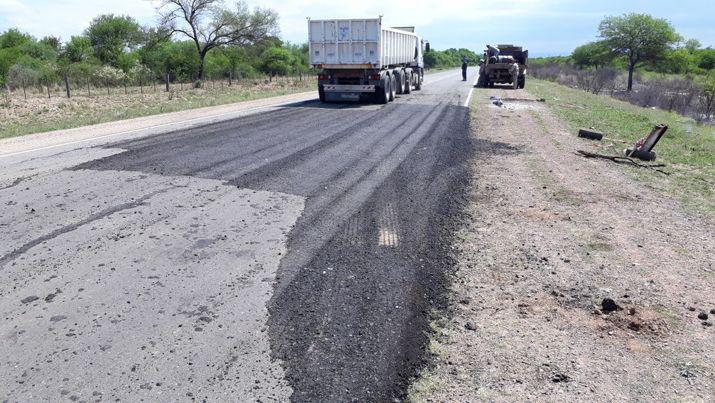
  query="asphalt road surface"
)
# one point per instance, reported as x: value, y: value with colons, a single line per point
x: 291, y: 254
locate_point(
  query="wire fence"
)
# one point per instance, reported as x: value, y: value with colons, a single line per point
x: 91, y: 87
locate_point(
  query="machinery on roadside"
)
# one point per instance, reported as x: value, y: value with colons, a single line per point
x: 359, y: 59
x: 503, y: 64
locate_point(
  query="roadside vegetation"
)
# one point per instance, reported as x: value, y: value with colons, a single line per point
x: 641, y: 60
x: 450, y: 58
x: 688, y: 148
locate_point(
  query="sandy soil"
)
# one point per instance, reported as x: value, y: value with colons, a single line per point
x: 550, y: 235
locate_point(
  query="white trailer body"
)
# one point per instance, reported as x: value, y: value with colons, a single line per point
x: 360, y: 57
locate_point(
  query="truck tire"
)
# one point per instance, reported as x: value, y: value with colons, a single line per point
x: 393, y: 88
x: 408, y: 83
x: 399, y: 77
x: 522, y: 82
x: 418, y: 81
x: 383, y: 93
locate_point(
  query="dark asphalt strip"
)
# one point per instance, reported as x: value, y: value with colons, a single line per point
x: 351, y: 325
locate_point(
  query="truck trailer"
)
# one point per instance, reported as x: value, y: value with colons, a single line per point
x: 360, y: 60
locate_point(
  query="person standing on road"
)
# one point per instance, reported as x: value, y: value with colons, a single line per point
x: 464, y: 68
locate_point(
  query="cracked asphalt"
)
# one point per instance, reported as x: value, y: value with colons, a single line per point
x: 294, y: 254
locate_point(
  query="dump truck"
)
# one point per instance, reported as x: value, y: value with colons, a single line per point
x: 360, y: 60
x: 501, y: 70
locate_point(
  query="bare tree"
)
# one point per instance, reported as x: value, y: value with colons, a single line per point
x: 211, y: 25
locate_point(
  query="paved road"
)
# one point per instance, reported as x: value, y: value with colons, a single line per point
x: 291, y: 254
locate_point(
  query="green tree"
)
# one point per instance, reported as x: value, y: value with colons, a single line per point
x: 210, y: 25
x: 16, y: 47
x: 706, y: 59
x: 47, y: 76
x: 276, y: 61
x: 692, y: 45
x: 638, y: 37
x: 592, y: 54
x: 677, y: 61
x: 111, y: 35
x: 78, y: 49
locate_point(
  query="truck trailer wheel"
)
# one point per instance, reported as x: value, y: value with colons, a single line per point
x: 393, y: 88
x: 418, y: 82
x: 408, y: 83
x: 382, y: 95
x: 522, y: 82
x: 399, y: 77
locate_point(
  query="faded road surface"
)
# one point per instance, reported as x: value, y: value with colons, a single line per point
x: 290, y: 254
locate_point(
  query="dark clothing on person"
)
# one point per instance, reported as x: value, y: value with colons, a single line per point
x: 464, y: 71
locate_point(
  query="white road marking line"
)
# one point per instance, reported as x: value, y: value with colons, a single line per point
x: 469, y: 97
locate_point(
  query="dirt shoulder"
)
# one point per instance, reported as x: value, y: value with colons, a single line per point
x: 549, y: 236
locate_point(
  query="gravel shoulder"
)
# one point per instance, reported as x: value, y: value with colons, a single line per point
x: 548, y: 237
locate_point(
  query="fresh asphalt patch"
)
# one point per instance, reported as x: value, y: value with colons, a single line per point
x: 366, y: 261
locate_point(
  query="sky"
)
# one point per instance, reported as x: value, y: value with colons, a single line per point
x: 545, y: 27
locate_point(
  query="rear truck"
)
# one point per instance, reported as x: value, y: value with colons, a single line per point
x: 501, y: 70
x: 360, y: 60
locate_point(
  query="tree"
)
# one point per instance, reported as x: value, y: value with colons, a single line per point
x: 276, y: 61
x: 692, y: 45
x: 592, y: 54
x: 677, y: 61
x: 210, y: 25
x: 111, y: 35
x: 22, y: 76
x: 706, y: 59
x: 47, y: 76
x: 110, y: 76
x: 78, y: 49
x: 638, y: 37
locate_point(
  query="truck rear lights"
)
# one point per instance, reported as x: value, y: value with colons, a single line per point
x: 374, y: 77
x: 323, y: 77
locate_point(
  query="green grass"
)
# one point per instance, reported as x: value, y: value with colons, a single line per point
x: 39, y: 115
x: 688, y: 149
